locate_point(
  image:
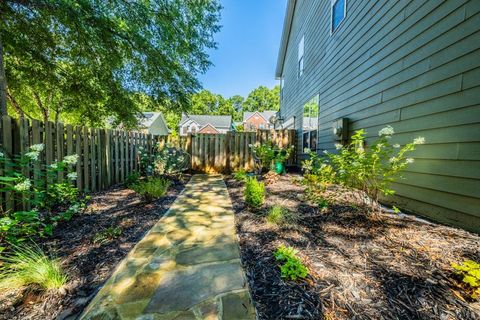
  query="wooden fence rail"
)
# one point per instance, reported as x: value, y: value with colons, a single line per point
x: 107, y: 156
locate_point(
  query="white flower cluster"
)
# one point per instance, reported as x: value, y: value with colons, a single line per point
x: 387, y: 131
x: 419, y: 140
x: 54, y: 165
x: 37, y: 147
x: 23, y: 186
x: 338, y: 146
x: 393, y: 159
x: 1, y: 154
x: 409, y: 160
x: 71, y: 159
x: 72, y: 176
x: 396, y: 146
x: 34, y: 152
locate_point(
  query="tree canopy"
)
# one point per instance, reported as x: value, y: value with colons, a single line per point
x: 86, y: 60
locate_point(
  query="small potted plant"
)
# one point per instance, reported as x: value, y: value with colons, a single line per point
x: 280, y: 158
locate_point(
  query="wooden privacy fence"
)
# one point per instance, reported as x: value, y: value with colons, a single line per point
x: 227, y: 152
x: 106, y: 156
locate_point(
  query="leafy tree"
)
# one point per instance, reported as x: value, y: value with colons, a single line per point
x: 262, y: 98
x: 88, y: 59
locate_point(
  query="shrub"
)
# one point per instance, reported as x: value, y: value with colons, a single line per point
x: 50, y: 201
x: 469, y: 271
x: 292, y: 267
x: 269, y: 153
x: 152, y: 188
x: 28, y: 265
x: 162, y: 161
x: 107, y: 235
x: 279, y: 215
x: 132, y: 178
x: 371, y: 170
x: 240, y: 175
x: 254, y: 192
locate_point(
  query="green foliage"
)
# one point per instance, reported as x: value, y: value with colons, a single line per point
x: 169, y: 160
x: 240, y: 175
x: 107, y: 235
x: 152, y: 188
x: 262, y: 98
x: 469, y: 271
x: 88, y: 60
x: 50, y: 201
x: 254, y: 192
x: 371, y: 170
x: 29, y: 265
x: 292, y: 267
x: 269, y: 153
x: 132, y: 178
x: 279, y: 215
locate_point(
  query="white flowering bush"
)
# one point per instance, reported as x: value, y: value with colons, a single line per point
x: 370, y: 169
x: 50, y: 200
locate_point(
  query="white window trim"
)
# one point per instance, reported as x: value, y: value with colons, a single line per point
x: 332, y: 2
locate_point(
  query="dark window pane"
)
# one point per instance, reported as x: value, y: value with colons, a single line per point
x: 305, y: 141
x: 313, y: 140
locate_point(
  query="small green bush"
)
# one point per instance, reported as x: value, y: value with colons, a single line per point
x: 254, y: 192
x: 279, y: 215
x: 132, y: 178
x: 240, y: 175
x: 107, y: 235
x: 469, y: 271
x: 28, y: 265
x: 292, y: 267
x: 152, y: 188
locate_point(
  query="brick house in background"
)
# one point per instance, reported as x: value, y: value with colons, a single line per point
x: 253, y: 121
x: 204, y: 124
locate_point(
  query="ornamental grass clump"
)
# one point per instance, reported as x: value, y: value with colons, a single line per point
x: 152, y: 188
x: 279, y: 215
x: 30, y: 266
x: 292, y: 267
x: 254, y: 192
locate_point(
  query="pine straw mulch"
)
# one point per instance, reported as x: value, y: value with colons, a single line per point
x: 381, y: 266
x: 87, y: 264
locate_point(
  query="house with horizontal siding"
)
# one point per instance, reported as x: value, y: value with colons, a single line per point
x: 204, y: 124
x: 413, y: 65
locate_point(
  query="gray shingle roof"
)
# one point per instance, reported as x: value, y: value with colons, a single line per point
x: 267, y: 114
x: 223, y: 122
x: 147, y: 118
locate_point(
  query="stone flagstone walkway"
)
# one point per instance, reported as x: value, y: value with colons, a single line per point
x: 186, y: 267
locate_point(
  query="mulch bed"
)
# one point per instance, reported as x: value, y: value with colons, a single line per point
x: 375, y: 266
x: 89, y: 265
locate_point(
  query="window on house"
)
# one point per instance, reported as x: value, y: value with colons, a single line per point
x: 310, y: 124
x: 301, y: 50
x: 193, y: 129
x: 185, y: 130
x: 339, y: 8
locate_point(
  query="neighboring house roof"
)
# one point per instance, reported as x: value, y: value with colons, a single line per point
x: 219, y: 122
x: 147, y: 119
x: 208, y: 125
x: 265, y: 114
x: 287, y: 26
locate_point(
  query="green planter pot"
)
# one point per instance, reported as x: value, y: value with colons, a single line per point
x: 279, y: 167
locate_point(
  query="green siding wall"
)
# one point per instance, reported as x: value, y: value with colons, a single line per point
x: 414, y: 65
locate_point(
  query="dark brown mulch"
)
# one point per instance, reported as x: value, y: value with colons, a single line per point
x: 87, y: 264
x: 381, y: 266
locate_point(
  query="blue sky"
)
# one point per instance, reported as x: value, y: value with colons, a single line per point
x: 247, y: 47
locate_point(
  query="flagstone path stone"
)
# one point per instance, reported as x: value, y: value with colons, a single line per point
x: 186, y: 267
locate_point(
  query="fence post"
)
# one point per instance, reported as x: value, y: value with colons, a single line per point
x: 8, y: 149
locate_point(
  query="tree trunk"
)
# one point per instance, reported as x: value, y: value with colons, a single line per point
x: 3, y: 83
x: 42, y: 108
x: 15, y: 105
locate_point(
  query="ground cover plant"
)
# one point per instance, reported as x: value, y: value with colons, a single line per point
x: 292, y: 267
x: 361, y: 265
